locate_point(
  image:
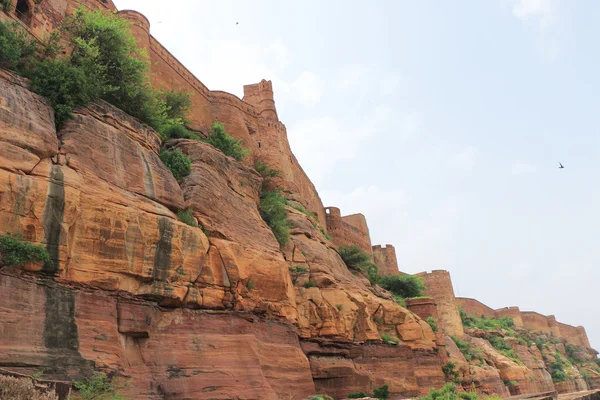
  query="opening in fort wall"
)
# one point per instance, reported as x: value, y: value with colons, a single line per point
x: 24, y: 11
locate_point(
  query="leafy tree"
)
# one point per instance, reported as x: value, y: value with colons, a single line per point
x: 17, y: 49
x: 273, y: 212
x: 179, y: 132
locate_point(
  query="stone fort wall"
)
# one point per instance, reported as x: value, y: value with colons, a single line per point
x: 385, y: 258
x: 528, y: 320
x: 351, y: 230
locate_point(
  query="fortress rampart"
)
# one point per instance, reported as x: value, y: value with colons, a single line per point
x: 439, y: 288
x: 351, y: 230
x: 528, y: 320
x: 385, y: 258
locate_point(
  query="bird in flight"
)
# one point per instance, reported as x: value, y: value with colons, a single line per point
x: 561, y: 166
x: 237, y: 23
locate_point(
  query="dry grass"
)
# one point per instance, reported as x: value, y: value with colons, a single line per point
x: 21, y: 389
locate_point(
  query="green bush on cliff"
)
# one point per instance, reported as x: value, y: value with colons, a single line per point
x: 178, y: 163
x: 187, y: 217
x: 221, y: 140
x: 17, y: 49
x: 504, y: 348
x: 353, y: 256
x: 403, y: 285
x: 272, y: 204
x: 487, y: 324
x: 449, y: 392
x: 179, y: 132
x: 382, y: 392
x: 357, y: 395
x: 99, y: 387
x: 450, y: 372
x: 432, y: 323
x: 572, y: 356
x: 467, y: 351
x: 14, y: 251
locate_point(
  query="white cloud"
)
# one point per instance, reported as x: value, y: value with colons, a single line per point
x: 466, y: 159
x: 520, y: 167
x: 307, y: 89
x: 389, y: 85
x: 543, y: 17
x: 542, y: 12
x: 350, y: 76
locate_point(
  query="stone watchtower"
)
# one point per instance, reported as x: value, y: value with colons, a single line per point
x: 260, y: 95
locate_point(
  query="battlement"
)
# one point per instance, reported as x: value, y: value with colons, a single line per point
x: 529, y: 320
x: 385, y: 258
x: 350, y: 230
x: 260, y: 95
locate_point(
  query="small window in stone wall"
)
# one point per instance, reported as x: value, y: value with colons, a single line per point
x: 24, y: 11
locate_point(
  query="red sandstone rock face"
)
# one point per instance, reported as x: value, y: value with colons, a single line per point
x: 163, y: 353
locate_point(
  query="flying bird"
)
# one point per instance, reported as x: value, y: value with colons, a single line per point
x: 561, y: 166
x: 237, y: 23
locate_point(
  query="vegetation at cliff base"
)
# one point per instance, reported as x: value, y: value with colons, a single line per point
x: 449, y: 392
x: 14, y: 251
x: 178, y: 163
x: 389, y: 339
x: 99, y: 387
x: 221, y: 140
x: 357, y: 395
x: 382, y: 392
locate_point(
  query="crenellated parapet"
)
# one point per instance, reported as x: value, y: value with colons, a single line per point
x: 529, y: 320
x: 260, y: 95
x: 385, y: 258
x: 350, y: 230
x: 439, y: 288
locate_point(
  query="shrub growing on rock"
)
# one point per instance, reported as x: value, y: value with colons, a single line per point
x: 179, y: 132
x: 16, y: 252
x: 357, y: 395
x: 187, y: 217
x: 353, y: 256
x: 17, y: 49
x: 178, y: 163
x: 450, y: 372
x: 382, y: 392
x: 403, y: 285
x: 99, y: 386
x: 432, y: 323
x: 273, y: 212
x: 222, y: 141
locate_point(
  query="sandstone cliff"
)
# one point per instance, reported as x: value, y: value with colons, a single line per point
x: 214, y: 312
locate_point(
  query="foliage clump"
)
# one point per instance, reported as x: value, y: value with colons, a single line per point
x: 487, y: 324
x: 219, y: 138
x: 389, y: 339
x: 406, y: 286
x: 272, y: 205
x: 432, y: 323
x: 99, y: 387
x: 468, y: 352
x: 557, y: 369
x: 450, y: 372
x: 357, y: 395
x: 16, y: 252
x: 178, y: 163
x: 187, y: 217
x: 449, y: 392
x: 382, y: 392
x: 296, y: 272
x: 102, y: 62
x: 500, y: 344
x: 356, y: 259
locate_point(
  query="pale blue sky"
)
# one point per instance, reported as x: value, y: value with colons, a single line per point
x: 442, y: 122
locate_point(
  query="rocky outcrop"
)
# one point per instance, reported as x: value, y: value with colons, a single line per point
x: 178, y: 311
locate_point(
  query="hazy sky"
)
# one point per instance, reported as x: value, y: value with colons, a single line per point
x: 442, y: 121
